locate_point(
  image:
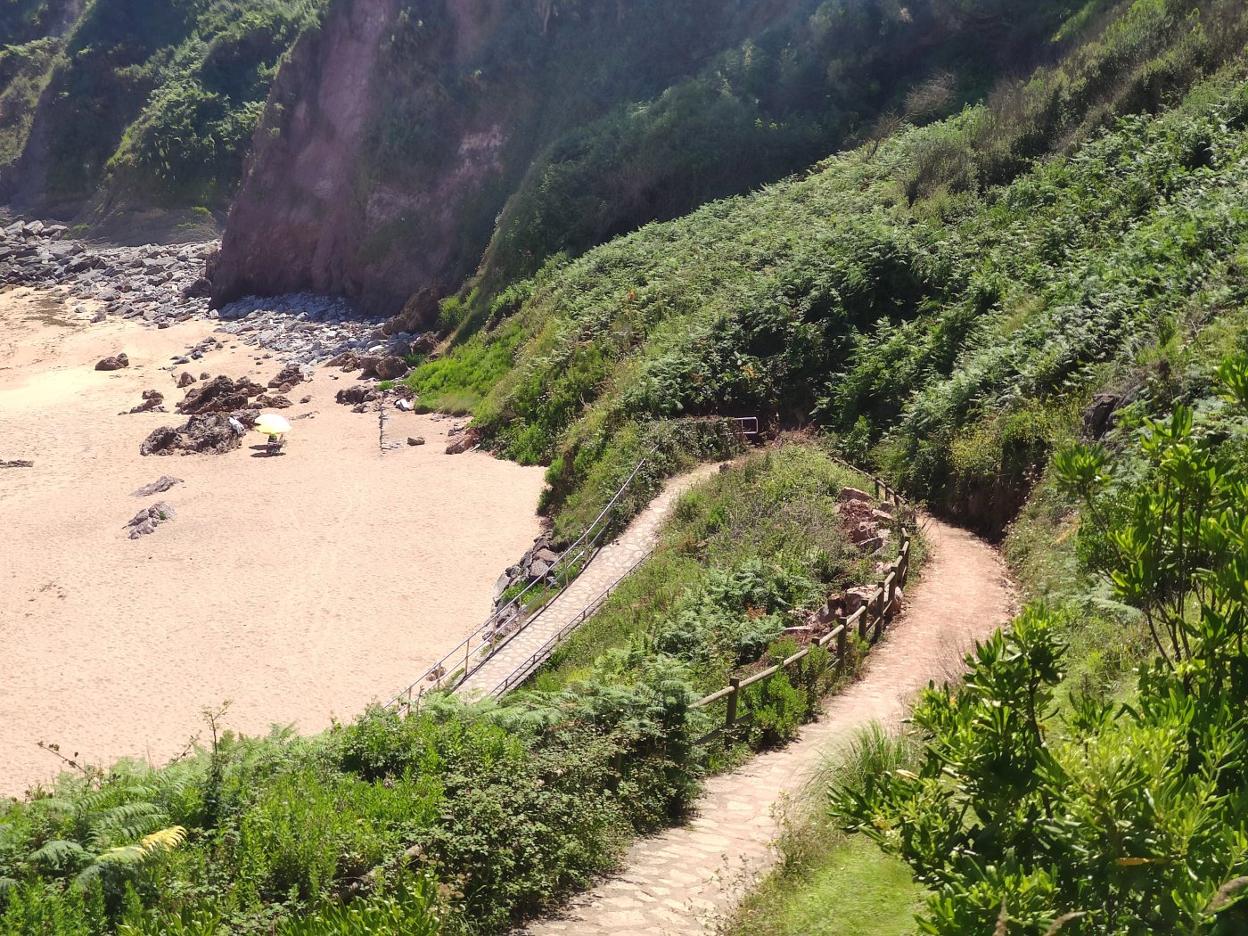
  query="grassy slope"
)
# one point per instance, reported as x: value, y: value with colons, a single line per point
x: 963, y: 323
x: 775, y: 511
x: 848, y: 887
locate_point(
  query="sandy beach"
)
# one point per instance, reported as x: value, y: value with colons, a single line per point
x: 300, y: 588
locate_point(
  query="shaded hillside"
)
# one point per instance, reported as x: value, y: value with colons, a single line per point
x: 32, y: 35
x: 405, y: 139
x: 147, y: 105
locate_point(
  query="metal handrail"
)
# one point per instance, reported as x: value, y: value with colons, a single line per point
x: 538, y: 656
x: 438, y: 672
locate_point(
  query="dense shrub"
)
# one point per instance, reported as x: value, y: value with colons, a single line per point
x: 459, y: 819
x: 1099, y: 818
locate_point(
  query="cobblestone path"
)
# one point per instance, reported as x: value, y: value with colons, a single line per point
x: 675, y: 882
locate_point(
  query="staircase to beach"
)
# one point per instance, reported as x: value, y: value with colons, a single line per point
x: 515, y: 641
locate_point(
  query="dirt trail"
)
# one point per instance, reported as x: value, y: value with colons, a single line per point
x: 676, y: 882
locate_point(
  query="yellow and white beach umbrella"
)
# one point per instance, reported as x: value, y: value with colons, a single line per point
x: 272, y: 424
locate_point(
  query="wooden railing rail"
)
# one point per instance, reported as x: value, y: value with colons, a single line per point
x: 870, y: 621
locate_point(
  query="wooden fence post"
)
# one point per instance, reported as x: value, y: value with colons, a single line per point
x: 842, y: 647
x: 731, y: 719
x: 879, y: 618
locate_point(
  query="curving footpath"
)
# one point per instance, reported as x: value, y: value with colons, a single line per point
x: 611, y: 565
x: 678, y: 882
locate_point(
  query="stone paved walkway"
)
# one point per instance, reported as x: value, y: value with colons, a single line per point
x: 675, y: 883
x: 612, y: 563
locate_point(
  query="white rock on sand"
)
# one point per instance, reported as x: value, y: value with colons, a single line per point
x: 276, y: 587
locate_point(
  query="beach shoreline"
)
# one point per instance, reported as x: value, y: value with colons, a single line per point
x: 300, y: 588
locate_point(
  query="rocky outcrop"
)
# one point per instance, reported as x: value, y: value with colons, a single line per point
x: 219, y: 395
x: 159, y: 486
x: 869, y: 526
x: 463, y: 440
x: 152, y: 400
x: 535, y: 564
x: 391, y: 144
x: 289, y: 377
x: 298, y: 221
x: 148, y: 519
x: 1098, y: 418
x: 214, y: 433
x: 112, y: 362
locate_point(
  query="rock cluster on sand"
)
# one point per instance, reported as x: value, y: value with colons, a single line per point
x: 159, y: 486
x: 112, y: 362
x: 205, y: 432
x: 533, y: 565
x: 148, y: 519
x: 302, y: 328
x: 220, y: 395
x: 144, y: 282
x: 162, y: 285
x: 289, y: 377
x: 152, y: 400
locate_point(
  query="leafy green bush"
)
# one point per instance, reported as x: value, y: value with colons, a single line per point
x: 1100, y: 818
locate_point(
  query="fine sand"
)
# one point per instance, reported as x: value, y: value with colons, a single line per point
x: 300, y: 587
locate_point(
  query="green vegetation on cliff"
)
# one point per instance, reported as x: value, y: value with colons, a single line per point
x: 157, y: 102
x: 898, y: 294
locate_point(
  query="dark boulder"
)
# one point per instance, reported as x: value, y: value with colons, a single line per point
x: 152, y: 400
x: 390, y: 368
x: 1098, y: 418
x: 208, y: 432
x: 357, y: 395
x: 288, y: 377
x: 424, y: 344
x: 115, y: 362
x: 219, y: 395
x: 201, y: 288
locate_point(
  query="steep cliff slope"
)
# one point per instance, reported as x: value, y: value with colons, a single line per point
x: 32, y: 36
x: 901, y: 294
x: 405, y: 138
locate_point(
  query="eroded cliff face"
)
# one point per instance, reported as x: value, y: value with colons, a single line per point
x: 396, y: 133
x: 410, y: 143
x: 298, y: 214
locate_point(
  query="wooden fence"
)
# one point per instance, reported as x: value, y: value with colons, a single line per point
x: 869, y: 621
